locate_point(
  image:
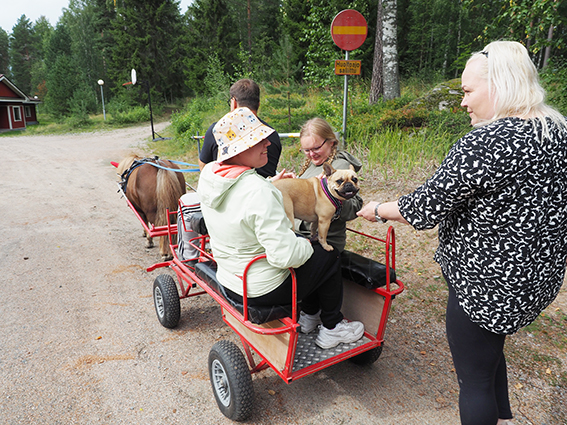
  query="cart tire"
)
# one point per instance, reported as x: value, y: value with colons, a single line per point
x: 368, y: 357
x: 231, y: 380
x: 166, y: 301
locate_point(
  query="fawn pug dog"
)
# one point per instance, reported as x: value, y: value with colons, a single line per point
x: 317, y: 201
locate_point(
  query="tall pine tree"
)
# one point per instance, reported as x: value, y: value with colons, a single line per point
x: 62, y: 77
x: 211, y: 31
x: 4, y: 53
x: 294, y: 25
x: 149, y: 37
x: 259, y: 34
x: 23, y: 53
x: 43, y: 31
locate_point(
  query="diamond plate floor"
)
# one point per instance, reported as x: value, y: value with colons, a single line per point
x: 308, y: 353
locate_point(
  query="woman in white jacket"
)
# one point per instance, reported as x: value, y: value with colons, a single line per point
x: 245, y: 217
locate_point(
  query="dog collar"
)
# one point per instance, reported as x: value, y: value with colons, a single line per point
x: 336, y: 202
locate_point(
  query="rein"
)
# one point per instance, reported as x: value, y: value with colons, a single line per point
x: 336, y: 202
x: 153, y: 161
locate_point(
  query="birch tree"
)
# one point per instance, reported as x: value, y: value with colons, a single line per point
x: 390, y: 71
x: 377, y: 83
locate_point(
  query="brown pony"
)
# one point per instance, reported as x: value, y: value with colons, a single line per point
x: 151, y: 191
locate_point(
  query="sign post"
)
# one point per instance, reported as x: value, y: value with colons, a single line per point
x: 101, y: 83
x: 348, y: 30
x: 147, y: 84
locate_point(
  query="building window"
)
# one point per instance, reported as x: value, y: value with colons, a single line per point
x: 27, y: 111
x: 17, y: 113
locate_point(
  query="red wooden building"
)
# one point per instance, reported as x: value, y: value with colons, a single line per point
x: 17, y: 110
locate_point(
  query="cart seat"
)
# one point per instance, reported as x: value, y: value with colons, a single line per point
x: 364, y: 271
x: 207, y: 271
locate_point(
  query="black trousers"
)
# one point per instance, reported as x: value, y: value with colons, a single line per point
x: 319, y: 287
x: 480, y: 365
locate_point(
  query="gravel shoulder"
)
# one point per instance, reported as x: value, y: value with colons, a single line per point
x: 80, y: 342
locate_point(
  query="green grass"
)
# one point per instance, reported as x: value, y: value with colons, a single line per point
x: 384, y: 135
x: 551, y: 328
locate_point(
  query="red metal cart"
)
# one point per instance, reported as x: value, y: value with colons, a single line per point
x: 151, y: 230
x: 273, y: 335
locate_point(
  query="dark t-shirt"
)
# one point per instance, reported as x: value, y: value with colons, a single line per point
x: 209, y: 151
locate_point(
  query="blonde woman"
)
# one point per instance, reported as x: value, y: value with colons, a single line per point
x: 500, y: 199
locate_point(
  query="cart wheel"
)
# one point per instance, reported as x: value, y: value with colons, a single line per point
x: 368, y: 357
x: 231, y: 380
x: 166, y: 301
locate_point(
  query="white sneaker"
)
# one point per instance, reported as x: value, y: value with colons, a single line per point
x: 345, y: 332
x: 309, y: 322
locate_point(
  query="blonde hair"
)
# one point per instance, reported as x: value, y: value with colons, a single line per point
x: 319, y: 127
x: 513, y: 84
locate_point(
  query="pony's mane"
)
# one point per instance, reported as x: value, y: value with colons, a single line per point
x: 126, y: 163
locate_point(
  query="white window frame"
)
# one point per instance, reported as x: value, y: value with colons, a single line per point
x: 27, y: 111
x: 18, y: 116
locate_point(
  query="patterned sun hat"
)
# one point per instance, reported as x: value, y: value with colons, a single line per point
x: 238, y: 131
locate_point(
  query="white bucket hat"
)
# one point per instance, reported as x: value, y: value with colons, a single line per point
x: 238, y: 131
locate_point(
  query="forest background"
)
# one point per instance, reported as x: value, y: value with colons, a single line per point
x: 285, y: 45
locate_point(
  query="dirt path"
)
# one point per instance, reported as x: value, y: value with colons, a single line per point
x: 80, y: 342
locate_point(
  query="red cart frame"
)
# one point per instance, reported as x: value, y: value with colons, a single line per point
x: 151, y: 230
x: 278, y: 343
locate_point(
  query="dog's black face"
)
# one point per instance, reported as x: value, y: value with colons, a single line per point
x: 348, y: 190
x: 343, y: 183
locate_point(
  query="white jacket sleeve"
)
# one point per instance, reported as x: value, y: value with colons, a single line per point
x: 273, y: 230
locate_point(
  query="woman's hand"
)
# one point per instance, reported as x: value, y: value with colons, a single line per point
x: 387, y: 211
x: 283, y: 175
x: 367, y: 211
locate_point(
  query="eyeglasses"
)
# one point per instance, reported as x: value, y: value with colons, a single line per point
x: 306, y: 151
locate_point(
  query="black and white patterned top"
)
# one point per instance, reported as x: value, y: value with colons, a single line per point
x: 500, y: 199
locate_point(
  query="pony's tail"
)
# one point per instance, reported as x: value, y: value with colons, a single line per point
x: 168, y: 193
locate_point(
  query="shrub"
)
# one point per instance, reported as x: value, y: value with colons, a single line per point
x: 78, y: 121
x: 553, y: 79
x: 189, y: 122
x: 133, y: 115
x: 405, y: 117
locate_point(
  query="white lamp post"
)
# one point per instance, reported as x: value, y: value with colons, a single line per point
x: 101, y: 83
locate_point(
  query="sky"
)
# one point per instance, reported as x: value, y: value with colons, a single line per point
x: 11, y: 10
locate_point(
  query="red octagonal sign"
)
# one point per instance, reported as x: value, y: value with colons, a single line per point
x: 349, y: 29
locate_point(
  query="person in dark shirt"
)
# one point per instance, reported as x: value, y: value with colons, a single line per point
x: 243, y: 93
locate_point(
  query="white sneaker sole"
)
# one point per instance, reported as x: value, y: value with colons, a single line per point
x: 354, y: 338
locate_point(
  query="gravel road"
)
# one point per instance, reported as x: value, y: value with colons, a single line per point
x: 80, y: 342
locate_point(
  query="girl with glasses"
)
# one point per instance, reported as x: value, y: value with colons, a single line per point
x: 320, y: 145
